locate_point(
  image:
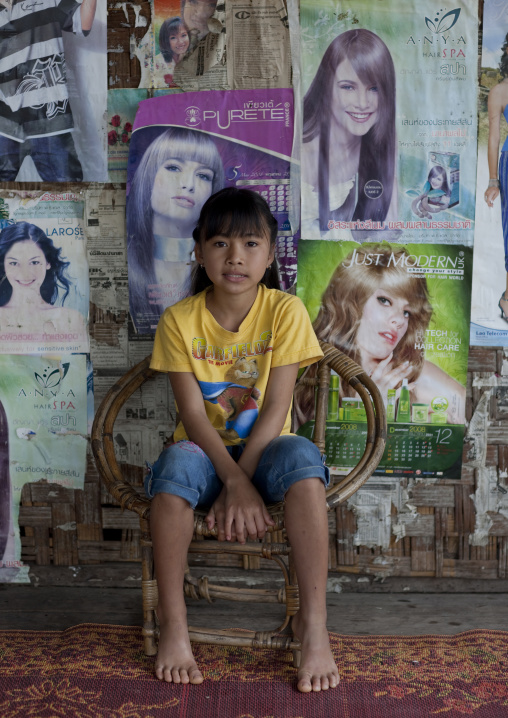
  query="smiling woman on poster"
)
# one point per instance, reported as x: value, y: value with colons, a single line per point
x: 348, y: 152
x: 378, y: 314
x: 179, y: 170
x: 32, y: 276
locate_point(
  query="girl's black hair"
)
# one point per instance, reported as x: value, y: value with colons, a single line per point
x: 503, y: 62
x: 55, y: 279
x: 234, y: 212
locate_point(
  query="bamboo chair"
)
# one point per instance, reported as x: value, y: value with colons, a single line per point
x: 275, y: 545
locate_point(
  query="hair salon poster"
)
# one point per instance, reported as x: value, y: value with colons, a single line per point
x: 389, y: 120
x: 402, y: 313
x: 43, y: 435
x: 215, y: 139
x: 44, y: 285
x: 489, y: 309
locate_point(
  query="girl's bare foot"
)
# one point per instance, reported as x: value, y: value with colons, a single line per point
x: 175, y: 661
x: 318, y: 670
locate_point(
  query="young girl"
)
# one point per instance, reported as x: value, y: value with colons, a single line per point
x: 435, y: 196
x: 233, y: 351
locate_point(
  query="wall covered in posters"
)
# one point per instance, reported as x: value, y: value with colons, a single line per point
x: 240, y: 138
x: 489, y: 310
x: 388, y: 166
x: 44, y: 385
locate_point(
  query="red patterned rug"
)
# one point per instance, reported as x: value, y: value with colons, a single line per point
x: 95, y: 671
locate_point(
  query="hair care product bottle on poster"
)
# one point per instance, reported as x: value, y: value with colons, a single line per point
x: 390, y: 406
x: 333, y: 398
x: 404, y: 408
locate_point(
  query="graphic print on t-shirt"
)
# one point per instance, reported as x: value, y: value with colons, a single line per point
x: 237, y: 396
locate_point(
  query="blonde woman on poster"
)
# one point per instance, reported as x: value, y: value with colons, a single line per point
x: 32, y: 276
x: 348, y: 152
x: 179, y: 170
x: 498, y: 184
x: 377, y: 313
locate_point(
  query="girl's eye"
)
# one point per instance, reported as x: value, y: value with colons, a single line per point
x: 384, y: 301
x: 172, y: 168
x: 219, y: 244
x: 252, y: 243
x: 373, y: 88
x: 205, y: 176
x: 13, y: 263
x: 346, y: 87
x: 407, y: 314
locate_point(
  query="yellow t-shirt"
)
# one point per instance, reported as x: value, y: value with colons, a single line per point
x: 232, y: 368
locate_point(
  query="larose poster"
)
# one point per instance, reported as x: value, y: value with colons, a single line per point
x: 389, y: 120
x: 184, y: 148
x: 44, y: 286
x: 489, y: 311
x: 402, y: 313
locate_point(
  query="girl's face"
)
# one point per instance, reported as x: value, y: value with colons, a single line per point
x: 436, y: 182
x: 26, y: 266
x: 384, y: 322
x: 179, y: 41
x: 354, y: 104
x: 235, y: 265
x: 180, y: 189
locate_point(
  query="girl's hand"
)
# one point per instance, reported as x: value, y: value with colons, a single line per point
x: 386, y: 375
x: 239, y: 512
x: 490, y: 195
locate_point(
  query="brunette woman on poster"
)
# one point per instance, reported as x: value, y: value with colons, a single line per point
x: 498, y: 107
x: 348, y: 153
x: 33, y: 275
x: 378, y: 315
x: 173, y: 42
x: 179, y: 170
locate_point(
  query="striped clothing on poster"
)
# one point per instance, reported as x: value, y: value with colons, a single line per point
x: 34, y: 100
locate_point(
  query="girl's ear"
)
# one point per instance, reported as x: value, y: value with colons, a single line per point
x: 198, y: 253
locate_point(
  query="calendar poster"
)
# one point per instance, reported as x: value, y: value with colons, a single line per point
x: 389, y: 119
x: 212, y: 140
x: 402, y: 313
x: 489, y: 312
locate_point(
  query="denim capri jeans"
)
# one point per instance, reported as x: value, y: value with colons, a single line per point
x: 183, y: 469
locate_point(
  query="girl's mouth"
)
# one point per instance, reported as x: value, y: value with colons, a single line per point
x: 389, y: 336
x: 235, y: 277
x: 360, y: 116
x: 185, y: 202
x: 25, y: 283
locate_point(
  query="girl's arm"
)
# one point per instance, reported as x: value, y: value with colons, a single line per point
x: 278, y: 395
x: 245, y: 511
x: 495, y: 108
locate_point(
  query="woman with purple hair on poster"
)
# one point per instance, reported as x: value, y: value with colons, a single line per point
x: 348, y: 153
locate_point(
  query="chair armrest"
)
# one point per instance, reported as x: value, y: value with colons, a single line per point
x: 357, y: 378
x: 102, y: 438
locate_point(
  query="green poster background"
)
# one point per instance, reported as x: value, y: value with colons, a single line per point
x: 428, y: 446
x: 434, y: 51
x: 45, y: 402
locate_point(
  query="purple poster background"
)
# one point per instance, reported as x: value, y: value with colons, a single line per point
x: 252, y: 131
